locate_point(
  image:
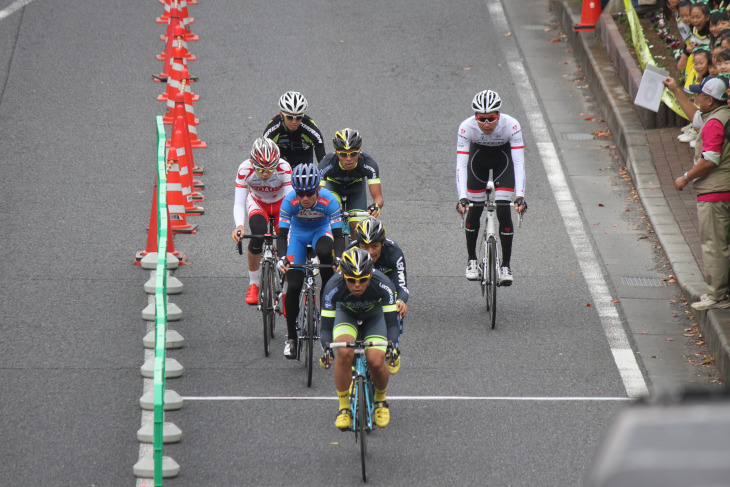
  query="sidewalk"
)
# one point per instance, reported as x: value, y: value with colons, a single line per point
x: 654, y: 159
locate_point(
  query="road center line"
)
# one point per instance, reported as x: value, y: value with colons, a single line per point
x: 621, y: 350
x: 407, y: 398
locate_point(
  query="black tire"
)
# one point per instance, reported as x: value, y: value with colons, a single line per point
x: 309, y: 339
x: 362, y: 424
x: 492, y: 281
x: 267, y: 301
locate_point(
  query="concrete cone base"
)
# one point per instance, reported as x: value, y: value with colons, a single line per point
x: 170, y: 433
x: 172, y: 368
x: 172, y: 340
x: 149, y: 261
x: 173, y: 401
x: 174, y: 312
x: 174, y: 285
x: 145, y: 468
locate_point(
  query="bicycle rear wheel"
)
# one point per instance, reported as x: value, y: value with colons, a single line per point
x: 309, y: 339
x: 492, y: 277
x: 267, y: 304
x: 362, y: 423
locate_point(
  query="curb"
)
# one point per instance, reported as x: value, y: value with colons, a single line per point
x: 631, y: 142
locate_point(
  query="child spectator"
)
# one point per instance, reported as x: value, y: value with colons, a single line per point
x: 724, y: 39
x: 683, y: 15
x: 719, y: 21
x: 723, y: 64
x: 700, y: 18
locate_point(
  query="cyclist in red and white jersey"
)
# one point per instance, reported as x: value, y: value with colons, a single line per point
x: 490, y: 140
x: 261, y: 184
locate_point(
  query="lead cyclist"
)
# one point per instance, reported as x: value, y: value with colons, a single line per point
x: 490, y: 140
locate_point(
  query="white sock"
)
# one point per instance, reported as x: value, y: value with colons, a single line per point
x: 253, y: 277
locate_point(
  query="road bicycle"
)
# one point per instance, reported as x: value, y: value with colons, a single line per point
x: 362, y: 393
x: 308, y: 319
x: 491, y: 252
x: 270, y: 280
x: 346, y: 216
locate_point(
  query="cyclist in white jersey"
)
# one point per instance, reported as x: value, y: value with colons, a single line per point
x: 490, y: 140
x: 261, y: 184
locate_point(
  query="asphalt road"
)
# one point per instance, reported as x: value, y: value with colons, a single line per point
x: 524, y: 404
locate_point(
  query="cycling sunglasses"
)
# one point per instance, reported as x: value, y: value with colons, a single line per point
x: 294, y: 117
x: 355, y: 280
x: 261, y: 169
x: 490, y: 119
x: 302, y: 194
x: 345, y: 153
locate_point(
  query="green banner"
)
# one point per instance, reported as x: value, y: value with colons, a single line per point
x: 645, y: 57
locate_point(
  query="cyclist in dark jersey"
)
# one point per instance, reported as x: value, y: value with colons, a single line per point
x: 360, y: 294
x: 296, y: 134
x: 348, y: 171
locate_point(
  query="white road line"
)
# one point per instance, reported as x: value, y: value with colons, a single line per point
x: 13, y: 7
x: 623, y: 355
x: 406, y: 398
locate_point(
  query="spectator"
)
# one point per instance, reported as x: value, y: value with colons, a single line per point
x: 700, y: 19
x: 710, y: 176
x: 719, y: 21
x: 683, y: 19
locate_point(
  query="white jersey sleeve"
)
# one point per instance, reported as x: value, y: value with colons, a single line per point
x: 463, y: 141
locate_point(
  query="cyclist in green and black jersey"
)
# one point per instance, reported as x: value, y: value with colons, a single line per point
x: 296, y: 134
x: 348, y: 171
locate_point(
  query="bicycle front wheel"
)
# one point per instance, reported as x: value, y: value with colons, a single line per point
x: 362, y: 423
x: 267, y: 304
x: 492, y: 278
x: 309, y: 338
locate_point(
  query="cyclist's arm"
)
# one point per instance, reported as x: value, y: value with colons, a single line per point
x: 328, y: 313
x: 400, y: 277
x: 239, y: 205
x: 462, y: 160
x: 391, y: 321
x: 285, y: 212
x: 376, y: 190
x: 518, y: 159
x: 315, y: 135
x: 339, y: 239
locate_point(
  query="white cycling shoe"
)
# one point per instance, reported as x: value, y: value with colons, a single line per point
x: 472, y: 271
x: 505, y: 276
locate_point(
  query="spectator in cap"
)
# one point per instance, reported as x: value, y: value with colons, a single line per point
x: 710, y: 176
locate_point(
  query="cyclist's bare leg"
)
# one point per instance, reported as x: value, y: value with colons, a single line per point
x: 254, y: 261
x: 378, y: 370
x: 343, y: 364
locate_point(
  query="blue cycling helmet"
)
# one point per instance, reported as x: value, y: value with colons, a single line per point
x: 305, y: 177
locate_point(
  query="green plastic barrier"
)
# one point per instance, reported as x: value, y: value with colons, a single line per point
x: 160, y: 301
x: 645, y: 57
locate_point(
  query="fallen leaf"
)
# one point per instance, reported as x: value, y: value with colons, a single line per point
x: 615, y: 300
x: 588, y: 304
x: 653, y: 356
x: 342, y: 42
x: 601, y: 204
x: 554, y: 40
x: 644, y: 332
x: 669, y: 339
x: 467, y: 69
x: 602, y: 133
x: 589, y: 118
x: 508, y: 34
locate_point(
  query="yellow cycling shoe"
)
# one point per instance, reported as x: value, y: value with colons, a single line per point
x: 395, y: 367
x: 382, y: 414
x: 344, y: 419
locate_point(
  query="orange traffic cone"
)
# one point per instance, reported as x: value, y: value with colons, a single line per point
x: 177, y: 36
x: 182, y: 6
x: 184, y: 152
x: 175, y: 197
x: 589, y: 14
x: 180, y: 109
x: 152, y: 234
x: 188, y: 97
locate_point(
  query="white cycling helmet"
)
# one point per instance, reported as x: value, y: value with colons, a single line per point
x: 486, y: 101
x: 265, y: 153
x: 293, y: 102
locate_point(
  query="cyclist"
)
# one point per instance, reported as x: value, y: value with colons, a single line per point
x: 309, y: 215
x: 387, y: 258
x: 296, y: 134
x: 490, y: 140
x: 261, y: 183
x: 359, y: 302
x: 345, y: 171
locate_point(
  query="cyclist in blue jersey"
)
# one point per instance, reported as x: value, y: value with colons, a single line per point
x: 308, y: 215
x: 359, y: 302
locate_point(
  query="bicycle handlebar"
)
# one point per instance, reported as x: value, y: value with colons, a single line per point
x: 355, y: 214
x: 260, y: 235
x: 311, y: 266
x: 371, y: 343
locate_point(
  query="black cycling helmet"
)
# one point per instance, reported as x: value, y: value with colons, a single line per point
x: 305, y: 177
x: 347, y: 139
x: 370, y: 230
x: 356, y: 262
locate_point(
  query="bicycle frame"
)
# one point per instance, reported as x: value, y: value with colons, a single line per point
x: 346, y: 216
